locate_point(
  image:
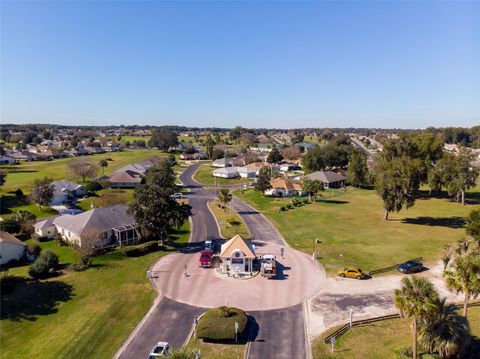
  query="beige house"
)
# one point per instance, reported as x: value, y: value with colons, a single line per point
x: 237, y: 256
x: 10, y: 247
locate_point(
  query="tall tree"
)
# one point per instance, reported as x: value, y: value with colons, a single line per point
x: 473, y: 225
x: 416, y: 299
x: 274, y: 156
x: 82, y: 167
x: 209, y: 146
x: 163, y: 139
x: 263, y: 179
x: 104, y: 164
x: 357, y: 169
x: 42, y: 191
x: 153, y: 207
x: 396, y: 181
x: 312, y: 187
x: 445, y: 332
x: 225, y: 197
x: 462, y: 277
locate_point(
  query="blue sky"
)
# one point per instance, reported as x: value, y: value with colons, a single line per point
x: 255, y: 64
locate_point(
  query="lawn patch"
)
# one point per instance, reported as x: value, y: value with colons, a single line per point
x: 218, y: 324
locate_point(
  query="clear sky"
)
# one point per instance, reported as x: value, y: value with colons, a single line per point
x: 255, y: 64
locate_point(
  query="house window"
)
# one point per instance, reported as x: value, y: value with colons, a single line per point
x: 237, y: 260
x: 104, y: 235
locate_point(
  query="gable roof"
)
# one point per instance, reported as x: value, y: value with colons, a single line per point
x: 44, y: 223
x: 286, y: 183
x: 7, y: 237
x: 64, y: 185
x: 135, y: 167
x: 96, y: 220
x: 127, y: 176
x: 326, y: 176
x: 149, y: 162
x: 237, y: 242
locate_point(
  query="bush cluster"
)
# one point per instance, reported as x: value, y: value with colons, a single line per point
x: 233, y: 222
x: 218, y: 324
x: 46, y: 262
x: 141, y: 249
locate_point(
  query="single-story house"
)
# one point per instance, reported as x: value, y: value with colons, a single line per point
x: 27, y: 156
x: 105, y: 225
x: 257, y: 166
x: 6, y: 160
x: 10, y: 247
x: 262, y: 147
x: 45, y: 228
x: 63, y: 190
x: 283, y: 187
x: 286, y: 166
x: 134, y: 167
x: 126, y: 179
x: 246, y: 172
x: 328, y: 178
x: 227, y: 172
x: 192, y: 156
x: 223, y: 162
x: 237, y: 256
x: 152, y: 161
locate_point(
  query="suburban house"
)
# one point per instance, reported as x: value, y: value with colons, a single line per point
x: 125, y: 179
x: 65, y: 190
x: 27, y: 156
x: 328, y: 178
x: 246, y: 172
x: 257, y: 166
x: 10, y: 247
x: 286, y: 166
x: 237, y: 256
x: 227, y: 172
x: 142, y: 167
x: 283, y: 187
x: 106, y: 225
x: 6, y: 160
x: 223, y: 162
x: 263, y: 147
x: 192, y: 156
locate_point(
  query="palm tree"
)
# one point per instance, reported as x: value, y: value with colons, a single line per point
x: 445, y: 332
x: 463, y: 277
x: 103, y: 163
x: 416, y: 299
x: 225, y: 197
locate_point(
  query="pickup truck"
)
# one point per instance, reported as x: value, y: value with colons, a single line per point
x: 268, y: 267
x: 206, y: 258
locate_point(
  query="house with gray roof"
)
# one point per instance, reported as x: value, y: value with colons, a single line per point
x: 105, y: 225
x: 329, y: 179
x: 64, y: 190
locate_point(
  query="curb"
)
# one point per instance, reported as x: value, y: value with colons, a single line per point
x: 215, y: 218
x: 306, y: 325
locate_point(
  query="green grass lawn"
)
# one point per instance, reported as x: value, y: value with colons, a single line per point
x: 204, y: 176
x: 350, y: 227
x: 78, y: 314
x: 107, y: 196
x: 228, y: 230
x: 22, y: 176
x: 215, y: 350
x: 378, y: 340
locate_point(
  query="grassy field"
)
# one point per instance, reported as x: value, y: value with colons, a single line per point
x: 228, y: 230
x: 78, y: 314
x: 22, y: 176
x: 378, y: 340
x: 350, y: 227
x: 204, y: 176
x: 105, y: 197
x: 217, y: 351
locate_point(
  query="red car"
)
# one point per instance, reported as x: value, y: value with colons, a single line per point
x: 206, y: 258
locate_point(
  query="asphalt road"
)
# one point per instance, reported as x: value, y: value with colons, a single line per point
x: 169, y: 321
x: 360, y: 146
x: 278, y: 334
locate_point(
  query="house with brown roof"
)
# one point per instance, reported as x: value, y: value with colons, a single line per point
x: 284, y: 187
x: 126, y: 179
x: 237, y: 255
x: 10, y: 248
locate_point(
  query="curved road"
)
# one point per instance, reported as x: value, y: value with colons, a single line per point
x: 278, y: 333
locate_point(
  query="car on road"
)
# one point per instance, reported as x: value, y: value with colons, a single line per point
x: 177, y: 195
x: 351, y: 272
x: 159, y: 350
x: 205, y: 259
x: 410, y: 267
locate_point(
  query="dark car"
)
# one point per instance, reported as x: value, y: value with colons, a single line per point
x: 410, y: 267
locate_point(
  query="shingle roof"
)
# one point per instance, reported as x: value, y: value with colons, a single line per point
x: 234, y: 243
x: 286, y: 183
x: 7, y: 237
x: 136, y: 167
x: 326, y: 176
x: 44, y: 223
x: 96, y: 220
x: 127, y: 176
x: 60, y: 186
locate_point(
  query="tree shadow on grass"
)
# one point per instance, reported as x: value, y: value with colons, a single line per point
x: 31, y: 299
x: 9, y: 201
x: 451, y: 222
x: 331, y: 201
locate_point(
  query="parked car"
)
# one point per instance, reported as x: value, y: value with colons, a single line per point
x: 206, y: 258
x: 410, y: 267
x: 159, y: 350
x: 209, y: 245
x: 351, y: 272
x: 177, y: 196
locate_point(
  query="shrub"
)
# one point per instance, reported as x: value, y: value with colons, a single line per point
x: 290, y: 206
x: 93, y: 186
x: 283, y: 208
x: 306, y: 201
x: 131, y: 251
x: 233, y: 222
x: 140, y: 249
x: 219, y: 323
x: 19, y: 193
x: 10, y: 226
x: 46, y: 261
x: 34, y: 249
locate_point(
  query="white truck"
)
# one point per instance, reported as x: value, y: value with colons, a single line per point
x: 268, y: 266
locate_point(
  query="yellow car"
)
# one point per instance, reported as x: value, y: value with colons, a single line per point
x: 351, y: 272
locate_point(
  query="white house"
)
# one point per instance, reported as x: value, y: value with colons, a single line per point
x: 63, y: 190
x: 5, y: 160
x: 45, y: 228
x: 10, y: 247
x: 227, y: 172
x: 237, y: 256
x: 246, y: 172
